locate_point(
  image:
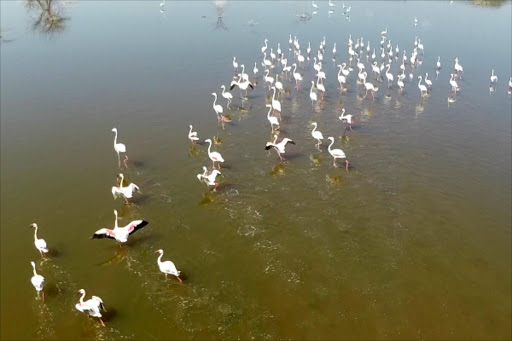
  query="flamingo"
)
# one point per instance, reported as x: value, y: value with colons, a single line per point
x: 37, y: 281
x: 314, y: 5
x: 296, y: 75
x: 244, y: 85
x: 458, y: 67
x: 39, y: 243
x: 343, y: 70
x: 389, y: 76
x: 192, y: 135
x: 400, y: 83
x: 438, y: 64
x: 347, y: 118
x: 267, y: 78
x: 494, y: 78
x: 235, y: 64
x: 255, y: 69
x: 168, y: 267
x: 317, y: 134
x: 91, y: 307
x: 337, y: 154
x: 226, y: 95
x: 279, y: 147
x: 272, y: 119
x: 266, y: 62
x: 320, y: 86
x: 217, y: 107
x: 428, y: 81
x: 118, y: 147
x: 453, y: 83
x: 278, y: 84
x: 422, y: 87
x: 276, y: 105
x: 272, y: 54
x: 341, y: 78
x: 120, y: 234
x: 215, y: 156
x: 209, y: 179
x: 264, y: 48
x: 244, y: 76
x: 313, y: 95
x: 370, y: 87
x: 126, y: 192
x: 383, y: 33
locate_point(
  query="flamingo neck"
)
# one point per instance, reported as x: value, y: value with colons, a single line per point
x: 35, y: 233
x: 268, y: 114
x: 419, y: 80
x: 115, y: 222
x: 115, y: 138
x: 190, y: 132
x: 215, y: 100
x: 82, y: 298
x: 159, y: 260
x: 274, y: 95
x: 209, y: 147
x: 329, y: 148
x: 34, y: 269
x: 121, y: 183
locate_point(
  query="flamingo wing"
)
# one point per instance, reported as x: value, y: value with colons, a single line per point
x: 103, y: 233
x: 136, y: 225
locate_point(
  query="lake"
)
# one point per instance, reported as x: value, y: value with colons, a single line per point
x: 413, y: 241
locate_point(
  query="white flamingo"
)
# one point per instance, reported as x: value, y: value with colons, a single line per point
x: 423, y: 88
x: 438, y: 64
x: 91, y: 307
x: 494, y: 78
x: 235, y: 64
x: 370, y: 87
x: 347, y: 117
x: 37, y: 281
x: 120, y: 234
x: 337, y: 154
x: 312, y: 95
x: 279, y: 147
x: 209, y: 179
x: 428, y: 81
x: 118, y: 147
x: 168, y: 267
x: 276, y: 105
x: 341, y: 78
x: 214, y: 156
x: 264, y: 48
x: 317, y: 135
x: 39, y: 243
x: 453, y: 83
x: 255, y: 69
x: 272, y: 119
x: 227, y: 95
x: 389, y: 76
x: 296, y: 75
x: 192, y: 135
x: 217, y: 107
x: 126, y: 192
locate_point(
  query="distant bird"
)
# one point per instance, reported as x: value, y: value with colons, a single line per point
x: 453, y: 83
x: 383, y: 33
x: 337, y: 154
x: 226, y: 95
x: 272, y: 119
x: 314, y: 5
x: 317, y: 134
x: 126, y: 192
x: 90, y: 307
x: 312, y: 95
x: 209, y: 178
x: 214, y: 156
x: 347, y: 118
x: 423, y: 88
x: 255, y: 69
x: 235, y: 64
x: 438, y: 64
x: 37, y: 281
x: 39, y: 243
x: 296, y: 75
x: 494, y: 78
x: 217, y: 107
x: 167, y: 267
x: 279, y: 147
x: 428, y: 81
x: 278, y: 84
x: 120, y: 234
x: 243, y: 85
x: 118, y: 147
x: 192, y: 135
x: 458, y: 67
x: 264, y: 48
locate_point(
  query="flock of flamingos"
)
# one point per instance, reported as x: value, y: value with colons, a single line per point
x: 371, y: 68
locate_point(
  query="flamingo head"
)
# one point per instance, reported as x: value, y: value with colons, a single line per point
x: 331, y: 138
x: 114, y: 129
x: 214, y: 94
x: 159, y: 251
x: 208, y: 140
x: 33, y: 225
x: 81, y: 291
x: 33, y: 264
x: 115, y: 213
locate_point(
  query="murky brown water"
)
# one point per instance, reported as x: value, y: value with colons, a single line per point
x: 414, y: 242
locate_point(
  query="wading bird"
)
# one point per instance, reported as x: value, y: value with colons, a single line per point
x: 90, y: 307
x: 37, y: 281
x: 167, y: 267
x: 214, y: 156
x: 39, y: 243
x: 337, y: 154
x: 120, y: 234
x: 126, y: 192
x: 279, y: 147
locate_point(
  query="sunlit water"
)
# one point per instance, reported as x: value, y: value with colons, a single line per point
x: 413, y: 242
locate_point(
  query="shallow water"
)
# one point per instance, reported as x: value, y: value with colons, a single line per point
x: 413, y: 242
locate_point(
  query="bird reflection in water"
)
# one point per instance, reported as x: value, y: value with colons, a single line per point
x: 278, y: 169
x: 220, y: 5
x: 50, y: 18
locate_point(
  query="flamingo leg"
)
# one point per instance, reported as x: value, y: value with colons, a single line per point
x: 178, y: 277
x: 102, y: 323
x: 124, y: 161
x: 42, y: 295
x: 346, y: 165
